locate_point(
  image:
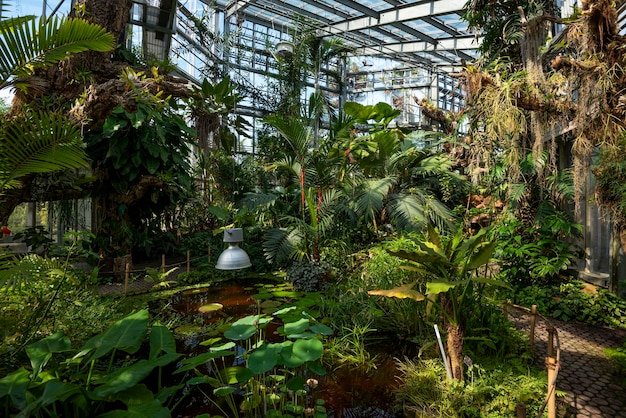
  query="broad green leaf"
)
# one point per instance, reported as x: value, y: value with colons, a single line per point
x: 161, y: 340
x: 224, y: 390
x: 152, y: 409
x: 195, y: 361
x: 236, y: 374
x: 322, y: 329
x: 14, y: 385
x: 436, y: 287
x: 400, y: 292
x: 308, y: 350
x: 297, y: 327
x: 54, y: 390
x: 126, y: 335
x: 127, y: 377
x: 482, y: 256
x: 240, y: 332
x: 295, y: 383
x: 263, y: 359
x: 223, y: 347
x: 316, y: 368
x: 287, y: 357
x: 41, y: 351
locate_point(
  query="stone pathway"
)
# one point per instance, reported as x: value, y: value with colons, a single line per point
x: 587, y: 376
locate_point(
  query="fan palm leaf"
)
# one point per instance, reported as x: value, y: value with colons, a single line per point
x: 280, y: 244
x: 29, y: 43
x: 370, y: 196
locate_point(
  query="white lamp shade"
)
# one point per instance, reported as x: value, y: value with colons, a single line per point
x: 233, y: 258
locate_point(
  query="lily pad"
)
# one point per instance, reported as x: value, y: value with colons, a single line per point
x: 263, y: 359
x: 187, y: 329
x: 322, y: 329
x: 226, y: 346
x: 211, y: 307
x: 308, y: 350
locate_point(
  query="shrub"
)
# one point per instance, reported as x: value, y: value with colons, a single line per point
x: 425, y: 391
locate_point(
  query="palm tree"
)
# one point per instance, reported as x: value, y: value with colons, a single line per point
x: 40, y: 142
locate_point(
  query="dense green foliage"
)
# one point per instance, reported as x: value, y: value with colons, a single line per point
x: 141, y: 159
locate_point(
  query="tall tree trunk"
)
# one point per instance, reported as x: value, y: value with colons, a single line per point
x: 455, y: 350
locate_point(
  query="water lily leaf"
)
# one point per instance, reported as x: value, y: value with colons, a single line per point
x: 308, y: 350
x: 322, y: 329
x: 295, y: 383
x: 287, y: 356
x: 400, y: 292
x: 284, y: 311
x: 263, y: 359
x: 226, y: 346
x: 286, y: 294
x: 297, y: 326
x: 316, y: 367
x: 210, y: 341
x: 302, y: 335
x: 211, y: 307
x: 187, y: 329
x: 240, y: 332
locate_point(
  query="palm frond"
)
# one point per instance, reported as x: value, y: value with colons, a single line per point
x: 407, y: 211
x: 16, y: 273
x: 27, y: 43
x: 40, y: 143
x: 253, y: 201
x: 295, y: 132
x: 280, y: 244
x: 370, y: 197
x: 433, y: 165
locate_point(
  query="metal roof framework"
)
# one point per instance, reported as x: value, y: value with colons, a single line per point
x: 430, y: 33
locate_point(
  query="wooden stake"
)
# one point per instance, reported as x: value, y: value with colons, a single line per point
x: 188, y: 262
x: 209, y: 253
x: 533, y: 321
x: 520, y: 411
x: 551, y: 367
x: 163, y: 263
x: 126, y: 277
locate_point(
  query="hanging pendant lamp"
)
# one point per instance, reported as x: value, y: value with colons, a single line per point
x: 233, y: 257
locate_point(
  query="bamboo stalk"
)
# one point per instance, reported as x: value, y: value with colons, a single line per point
x: 162, y: 263
x: 188, y: 262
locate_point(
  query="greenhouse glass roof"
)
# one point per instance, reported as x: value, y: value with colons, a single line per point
x: 418, y: 32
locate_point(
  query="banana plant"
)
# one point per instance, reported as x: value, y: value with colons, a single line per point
x: 449, y: 265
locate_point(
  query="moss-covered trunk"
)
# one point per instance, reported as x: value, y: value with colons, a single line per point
x: 455, y: 350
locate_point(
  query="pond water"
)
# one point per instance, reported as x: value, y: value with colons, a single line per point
x: 347, y: 392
